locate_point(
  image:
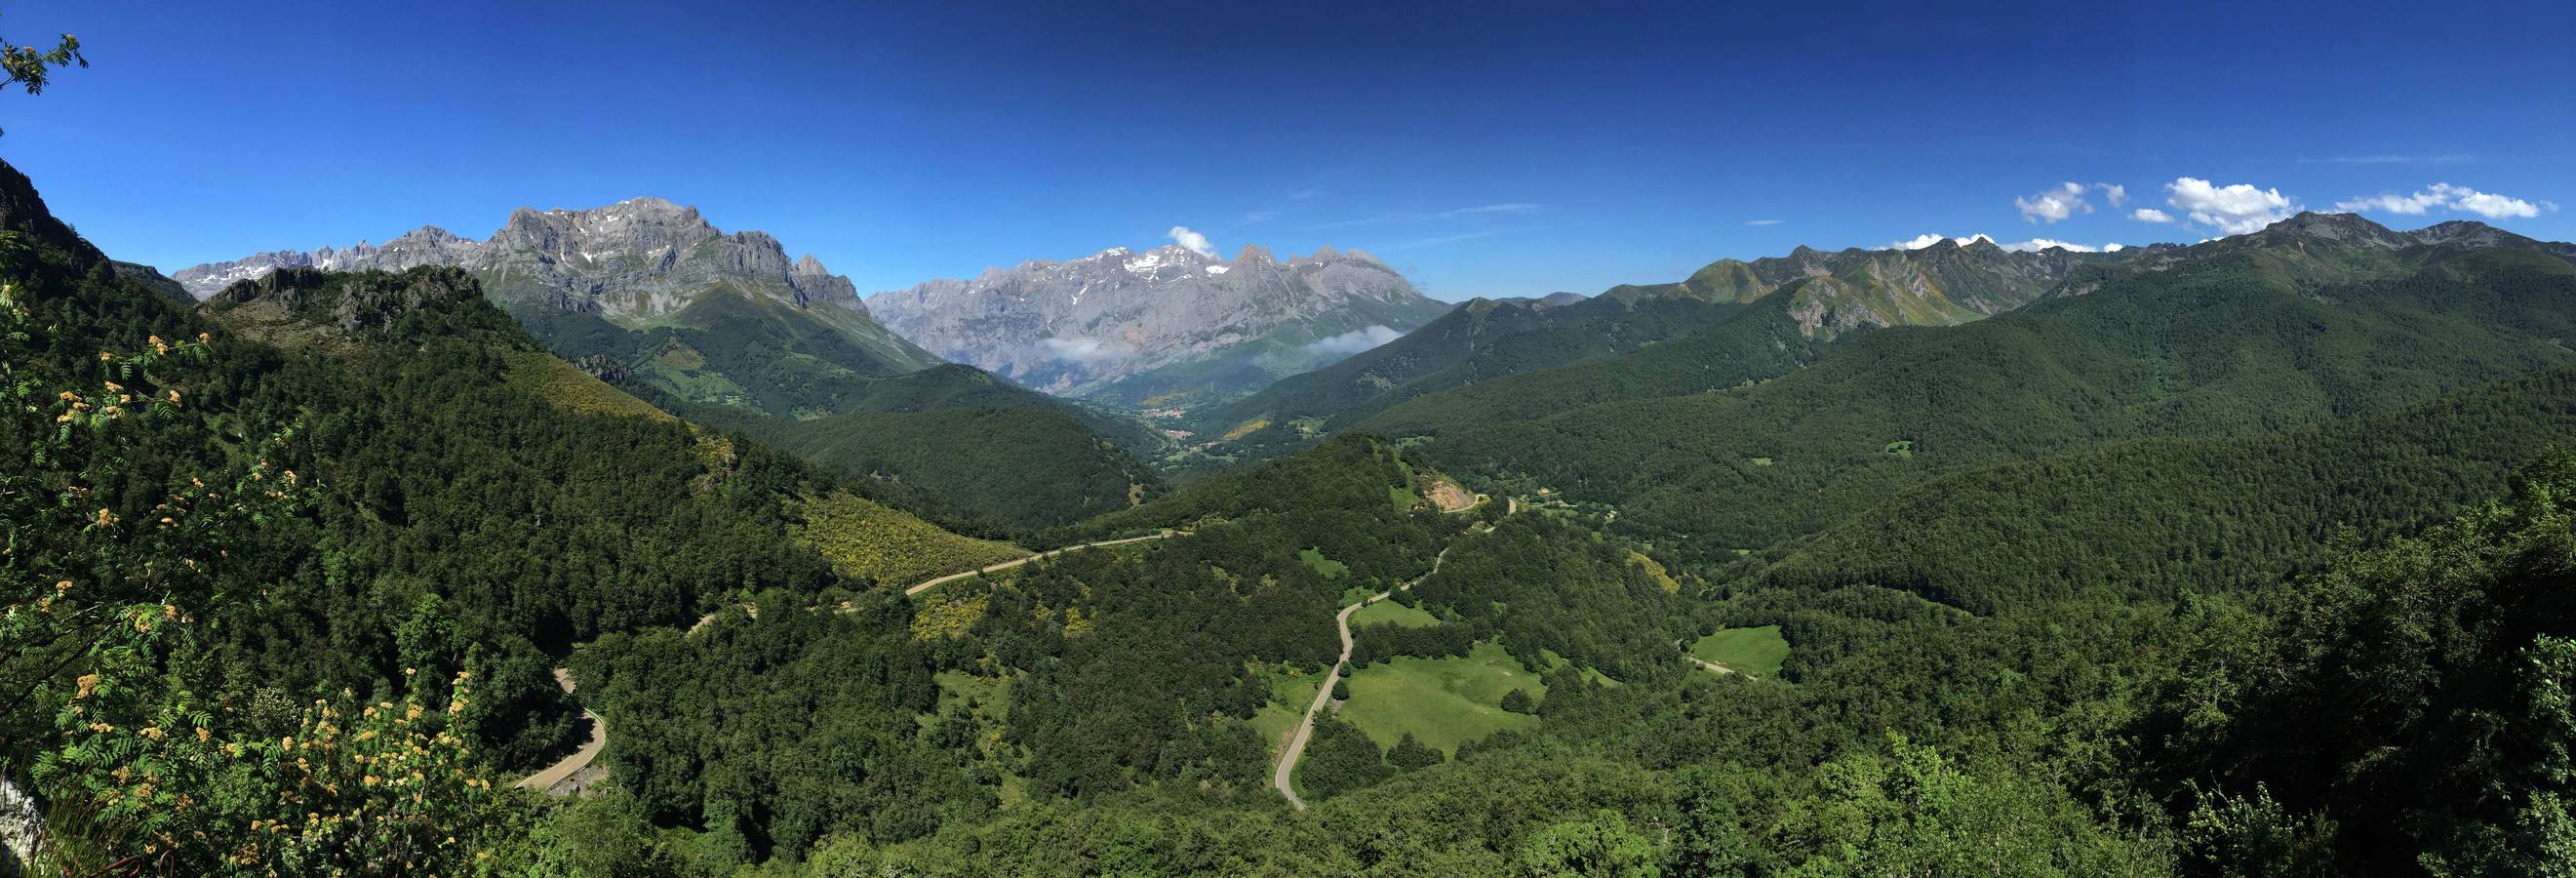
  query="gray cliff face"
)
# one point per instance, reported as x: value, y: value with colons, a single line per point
x: 629, y: 262
x: 635, y: 263
x: 1083, y: 325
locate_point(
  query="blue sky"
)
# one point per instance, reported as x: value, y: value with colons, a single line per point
x: 1484, y: 148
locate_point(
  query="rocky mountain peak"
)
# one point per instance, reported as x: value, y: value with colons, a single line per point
x: 1082, y: 325
x: 2348, y: 228
x: 628, y: 262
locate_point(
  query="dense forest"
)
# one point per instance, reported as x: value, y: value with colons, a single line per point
x: 997, y: 470
x: 2230, y: 344
x: 2252, y: 563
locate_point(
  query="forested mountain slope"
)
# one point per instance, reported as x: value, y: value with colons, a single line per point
x: 2146, y: 519
x: 1479, y: 340
x: 386, y: 504
x: 2242, y: 336
x: 287, y: 595
x: 722, y: 326
x: 1824, y: 294
x: 661, y: 272
x: 1008, y: 470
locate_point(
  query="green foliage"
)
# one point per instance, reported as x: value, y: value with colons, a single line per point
x: 1446, y: 702
x: 1330, y: 568
x: 1539, y: 584
x: 866, y: 540
x: 1336, y: 492
x: 2252, y: 835
x: 354, y: 788
x: 1602, y: 847
x: 2149, y: 517
x: 1020, y: 470
x: 2224, y: 344
x: 1409, y: 754
x: 2024, y: 564
x: 30, y: 69
x: 1339, y: 758
x: 755, y: 728
x: 1477, y: 341
x: 1912, y: 811
x: 2413, y: 696
x: 422, y: 520
x: 1389, y: 612
x: 573, y: 390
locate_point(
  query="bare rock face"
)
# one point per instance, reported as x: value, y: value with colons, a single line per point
x: 635, y: 263
x: 1134, y: 326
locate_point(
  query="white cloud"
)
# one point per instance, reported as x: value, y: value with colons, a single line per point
x: 2114, y: 247
x: 1354, y: 341
x: 2115, y: 193
x: 2066, y: 200
x: 1083, y: 350
x: 2235, y: 210
x: 2150, y: 215
x: 2445, y: 195
x: 1197, y: 243
x: 2036, y: 244
x: 1919, y: 242
x: 1764, y: 222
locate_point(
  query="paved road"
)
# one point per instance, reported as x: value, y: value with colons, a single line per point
x: 554, y: 774
x: 1280, y: 778
x: 580, y: 759
x: 926, y: 585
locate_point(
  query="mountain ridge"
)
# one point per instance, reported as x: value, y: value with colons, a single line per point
x: 1818, y: 294
x: 1134, y: 326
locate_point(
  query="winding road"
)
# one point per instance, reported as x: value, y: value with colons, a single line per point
x: 1282, y: 777
x: 563, y: 769
x: 1323, y: 696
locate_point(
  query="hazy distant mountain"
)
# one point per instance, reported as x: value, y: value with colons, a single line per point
x: 1164, y: 325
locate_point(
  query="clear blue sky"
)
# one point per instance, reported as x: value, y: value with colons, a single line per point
x: 1485, y: 148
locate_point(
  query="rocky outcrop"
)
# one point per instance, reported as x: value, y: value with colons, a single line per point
x: 637, y: 263
x: 633, y: 260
